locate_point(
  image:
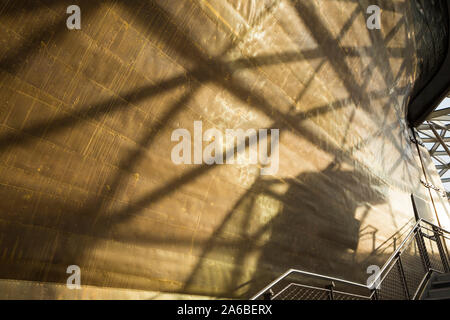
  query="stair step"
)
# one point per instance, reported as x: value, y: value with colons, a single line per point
x: 443, y: 277
x: 442, y: 293
x: 440, y: 284
x: 437, y: 299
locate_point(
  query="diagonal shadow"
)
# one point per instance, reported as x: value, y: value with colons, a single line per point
x: 54, y: 31
x: 206, y: 70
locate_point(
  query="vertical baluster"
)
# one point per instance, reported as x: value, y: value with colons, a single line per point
x: 330, y: 287
x: 374, y: 294
x: 437, y: 236
x: 423, y: 250
x: 402, y: 276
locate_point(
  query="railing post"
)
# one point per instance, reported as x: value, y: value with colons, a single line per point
x: 423, y: 250
x: 268, y: 295
x: 374, y: 294
x: 402, y: 275
x: 437, y: 236
x: 331, y: 288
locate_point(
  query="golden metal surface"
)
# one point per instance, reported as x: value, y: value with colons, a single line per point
x: 86, y: 118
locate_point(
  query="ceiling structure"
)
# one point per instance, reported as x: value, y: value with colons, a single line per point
x: 435, y: 135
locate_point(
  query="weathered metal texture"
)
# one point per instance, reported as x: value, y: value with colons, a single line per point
x: 86, y: 118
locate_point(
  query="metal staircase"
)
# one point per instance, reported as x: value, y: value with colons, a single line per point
x: 438, y: 288
x: 418, y: 269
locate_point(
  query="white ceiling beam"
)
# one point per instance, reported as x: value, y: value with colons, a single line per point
x: 439, y: 137
x: 446, y: 139
x: 438, y: 159
x: 438, y: 113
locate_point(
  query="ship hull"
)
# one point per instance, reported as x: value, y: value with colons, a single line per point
x: 87, y: 170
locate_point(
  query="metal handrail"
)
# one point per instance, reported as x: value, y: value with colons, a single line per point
x: 389, y: 264
x: 321, y: 289
x: 433, y: 225
x: 395, y: 253
x: 320, y: 276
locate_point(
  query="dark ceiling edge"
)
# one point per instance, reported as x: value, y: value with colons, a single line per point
x: 434, y: 91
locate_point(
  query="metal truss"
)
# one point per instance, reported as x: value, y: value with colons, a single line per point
x: 435, y: 135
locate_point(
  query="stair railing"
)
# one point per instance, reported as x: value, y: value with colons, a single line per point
x: 403, y: 276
